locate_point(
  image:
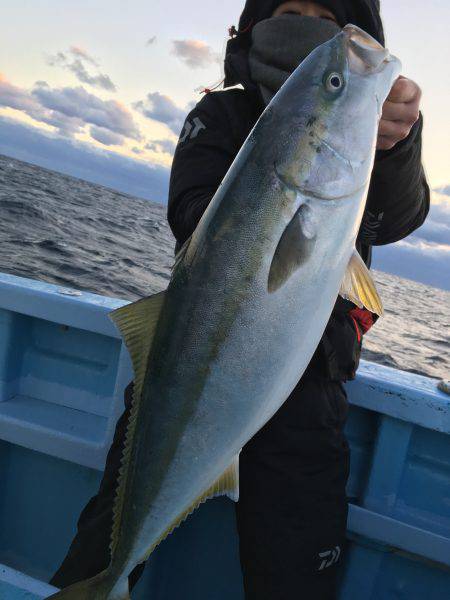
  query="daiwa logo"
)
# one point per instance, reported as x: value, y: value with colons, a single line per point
x: 329, y: 557
x: 191, y: 130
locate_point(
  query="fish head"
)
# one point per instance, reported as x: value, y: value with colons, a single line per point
x: 324, y: 119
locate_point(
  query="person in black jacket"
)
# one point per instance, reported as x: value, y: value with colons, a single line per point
x: 292, y: 510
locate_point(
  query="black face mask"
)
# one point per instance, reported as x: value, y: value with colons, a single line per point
x: 280, y: 44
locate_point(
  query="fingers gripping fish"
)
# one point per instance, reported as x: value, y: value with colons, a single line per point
x: 217, y: 353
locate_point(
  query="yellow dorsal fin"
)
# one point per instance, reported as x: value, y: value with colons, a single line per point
x: 137, y: 323
x: 359, y: 287
x: 226, y: 485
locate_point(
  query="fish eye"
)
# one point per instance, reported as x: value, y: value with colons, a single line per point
x: 334, y: 82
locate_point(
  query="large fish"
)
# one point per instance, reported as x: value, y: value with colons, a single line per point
x: 217, y: 353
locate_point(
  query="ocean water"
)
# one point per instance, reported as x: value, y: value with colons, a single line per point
x: 66, y: 231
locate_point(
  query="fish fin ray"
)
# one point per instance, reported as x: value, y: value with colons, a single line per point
x: 137, y: 323
x: 179, y: 257
x: 228, y: 482
x: 226, y: 485
x: 99, y: 586
x: 359, y: 287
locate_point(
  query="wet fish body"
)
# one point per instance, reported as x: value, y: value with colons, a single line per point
x: 218, y: 353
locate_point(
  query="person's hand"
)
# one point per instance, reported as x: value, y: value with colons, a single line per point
x: 400, y: 112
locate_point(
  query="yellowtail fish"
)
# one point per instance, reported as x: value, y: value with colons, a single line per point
x: 218, y: 353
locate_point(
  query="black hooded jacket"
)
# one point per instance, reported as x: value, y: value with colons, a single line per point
x: 398, y: 199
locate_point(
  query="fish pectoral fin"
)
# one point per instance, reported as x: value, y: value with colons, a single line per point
x: 293, y: 249
x: 137, y: 323
x: 359, y: 287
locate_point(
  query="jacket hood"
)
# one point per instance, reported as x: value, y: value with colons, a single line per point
x: 363, y: 13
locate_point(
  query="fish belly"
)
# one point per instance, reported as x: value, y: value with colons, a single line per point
x: 212, y: 387
x: 265, y: 354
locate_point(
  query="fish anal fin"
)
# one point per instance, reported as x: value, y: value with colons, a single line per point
x: 226, y: 485
x: 359, y: 287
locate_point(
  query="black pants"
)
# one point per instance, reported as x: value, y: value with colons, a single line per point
x: 292, y: 511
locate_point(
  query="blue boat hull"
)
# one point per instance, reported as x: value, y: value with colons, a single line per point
x: 63, y: 369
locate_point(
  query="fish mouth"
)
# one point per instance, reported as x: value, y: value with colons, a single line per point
x: 366, y: 55
x: 303, y: 190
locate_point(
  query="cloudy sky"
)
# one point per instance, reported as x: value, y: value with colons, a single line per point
x: 425, y: 255
x: 100, y: 89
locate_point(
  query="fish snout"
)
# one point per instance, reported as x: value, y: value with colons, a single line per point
x: 366, y: 55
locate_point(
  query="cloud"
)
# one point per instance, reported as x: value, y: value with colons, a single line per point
x: 434, y: 231
x: 167, y: 146
x: 83, y: 54
x: 69, y: 109
x: 436, y: 228
x: 160, y: 107
x: 14, y: 97
x: 151, y: 41
x: 81, y: 159
x: 195, y: 53
x: 79, y: 104
x: 106, y: 137
x: 101, y: 81
x: 423, y: 262
x: 445, y: 189
x: 424, y: 255
x: 75, y: 64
